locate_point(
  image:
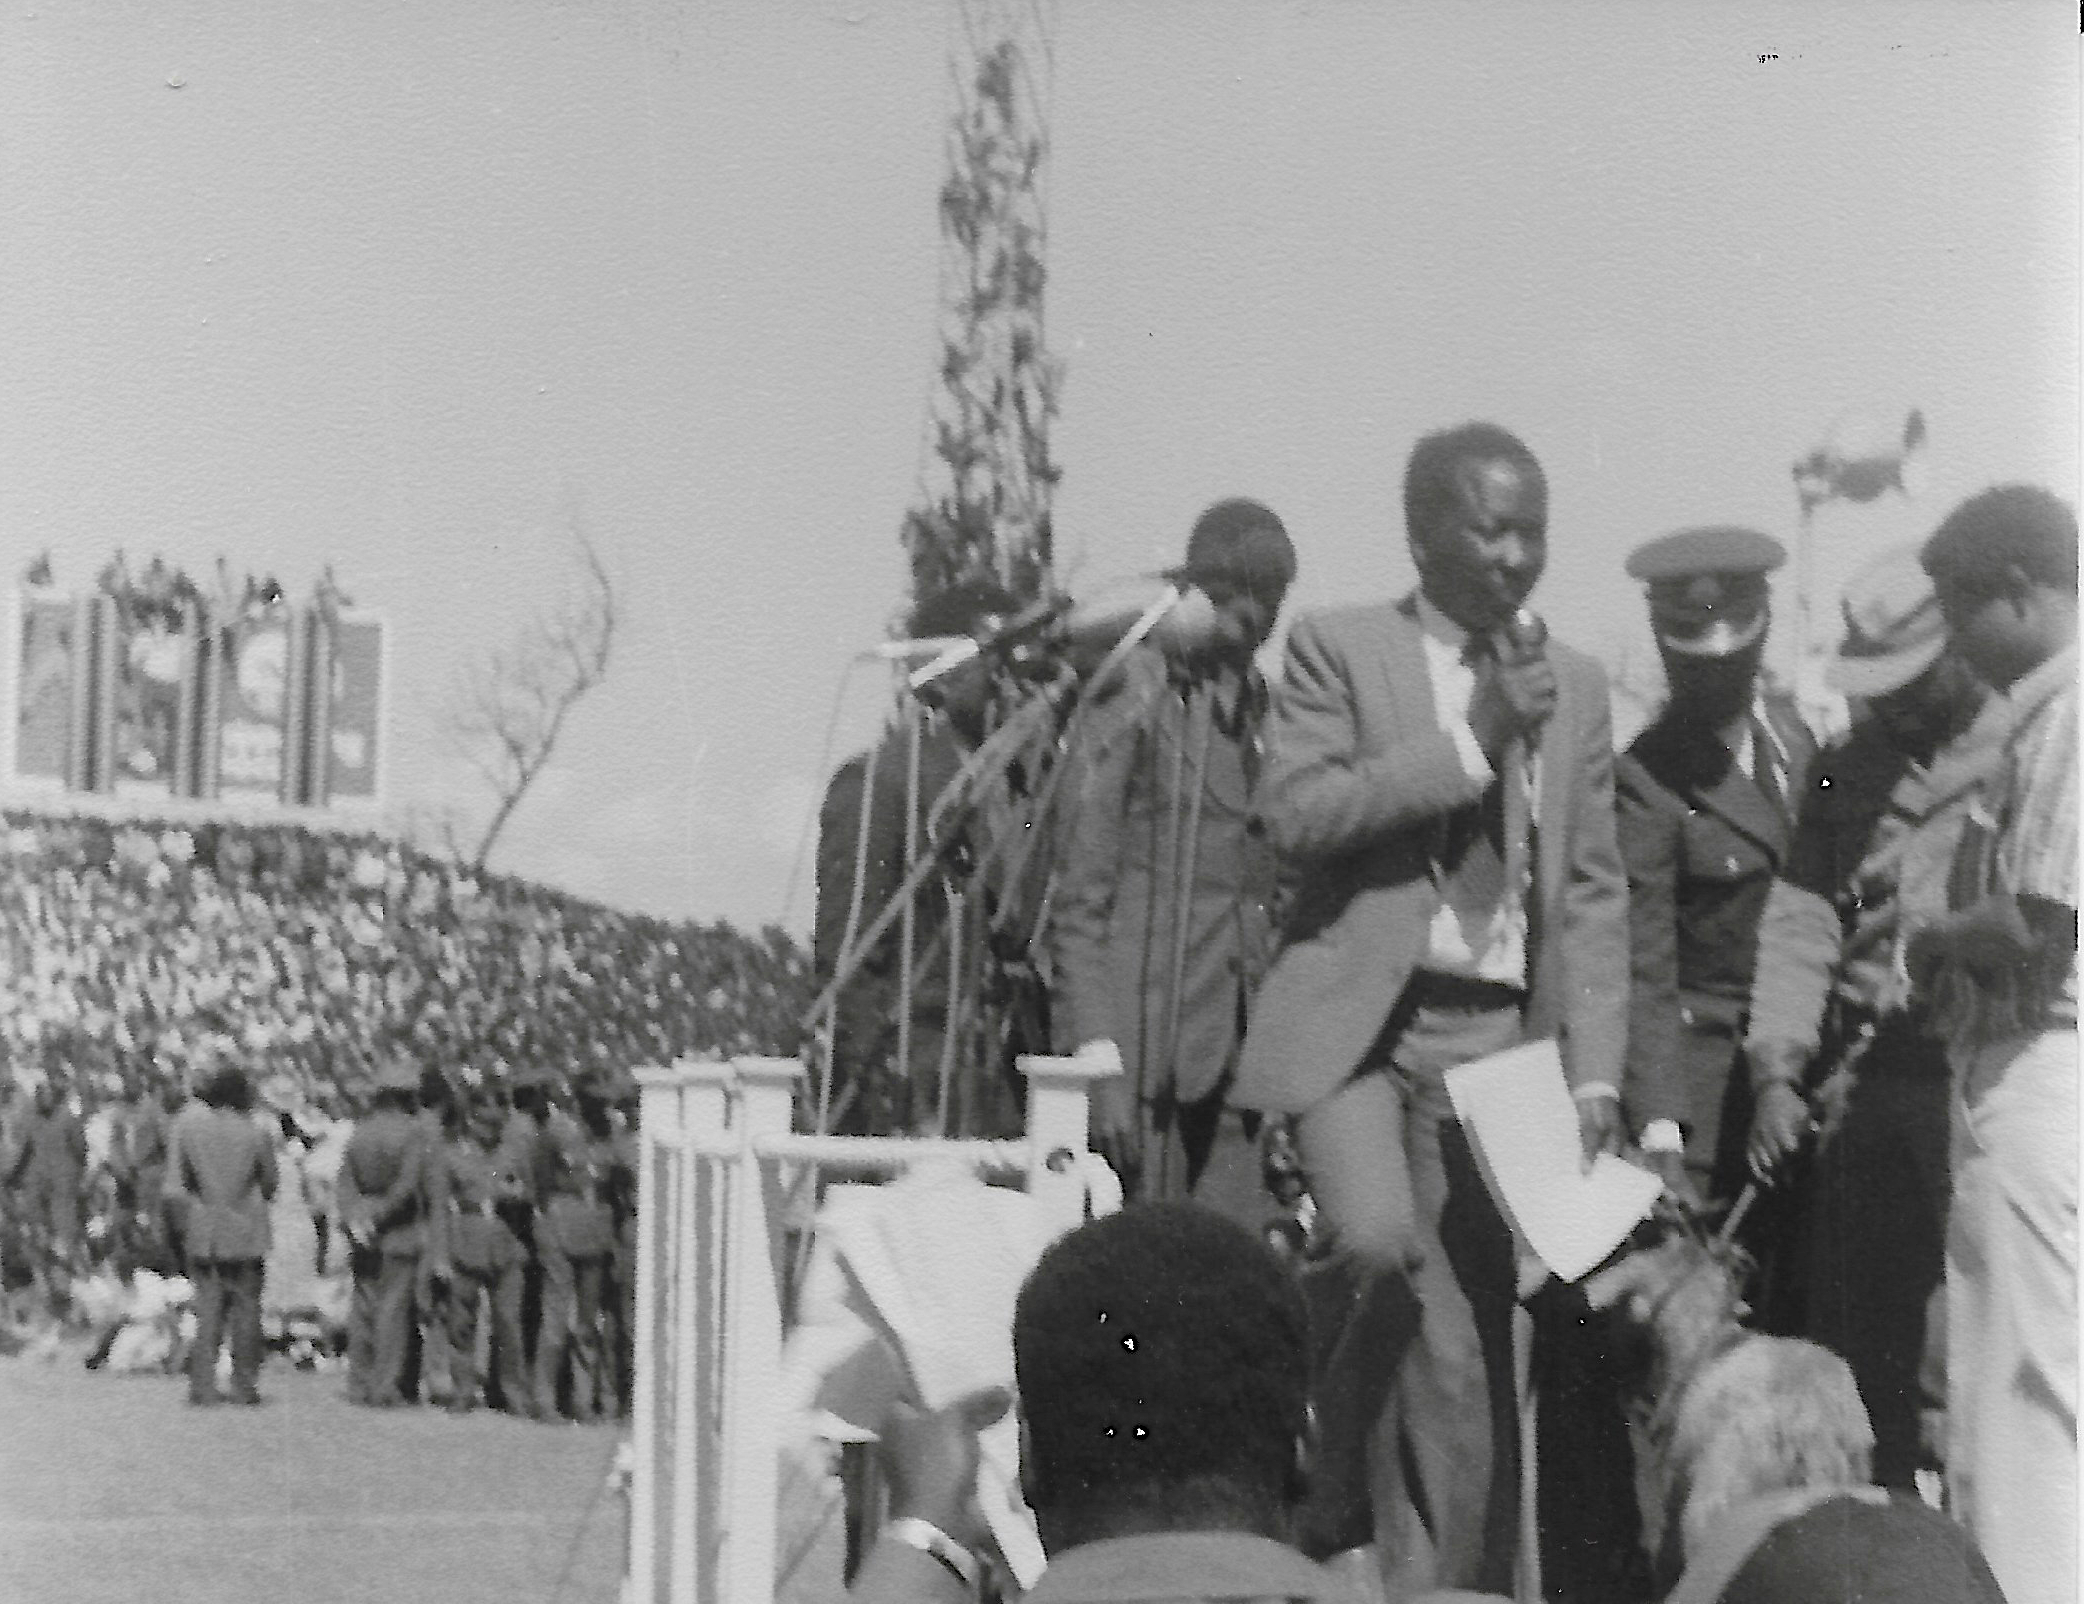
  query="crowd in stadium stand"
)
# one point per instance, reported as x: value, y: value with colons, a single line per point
x: 134, y: 948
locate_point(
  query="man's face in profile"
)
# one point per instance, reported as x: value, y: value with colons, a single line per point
x: 1481, y: 560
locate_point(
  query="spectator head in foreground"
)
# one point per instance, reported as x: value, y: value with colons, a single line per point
x: 1163, y: 1365
x: 2005, y: 566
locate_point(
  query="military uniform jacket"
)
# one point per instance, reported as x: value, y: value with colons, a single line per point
x: 586, y: 1181
x: 222, y: 1170
x: 1161, y: 921
x: 383, y: 1181
x: 1702, y: 842
x: 474, y: 1198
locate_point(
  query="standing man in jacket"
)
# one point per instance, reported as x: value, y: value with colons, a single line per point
x: 223, y: 1176
x: 383, y: 1213
x: 1441, y: 789
x: 43, y: 1179
x: 1832, y: 1017
x: 1161, y: 922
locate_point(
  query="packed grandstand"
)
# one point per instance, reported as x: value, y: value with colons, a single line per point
x: 133, y: 951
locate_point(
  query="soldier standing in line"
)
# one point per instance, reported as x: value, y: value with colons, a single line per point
x: 581, y: 1176
x: 478, y: 1196
x: 382, y: 1188
x: 521, y: 1143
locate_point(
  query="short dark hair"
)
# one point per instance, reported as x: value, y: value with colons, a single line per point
x: 1158, y: 1346
x: 2007, y: 525
x: 1431, y: 485
x: 959, y: 608
x: 227, y: 1088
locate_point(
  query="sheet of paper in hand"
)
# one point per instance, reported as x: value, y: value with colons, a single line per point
x: 1516, y: 1107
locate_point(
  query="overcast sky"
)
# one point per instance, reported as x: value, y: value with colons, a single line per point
x: 394, y: 285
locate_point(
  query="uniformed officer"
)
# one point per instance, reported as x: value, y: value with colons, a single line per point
x: 480, y: 1199
x: 1706, y: 797
x: 581, y: 1174
x: 383, y: 1210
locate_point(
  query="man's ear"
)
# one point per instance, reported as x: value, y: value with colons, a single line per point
x: 1030, y: 1481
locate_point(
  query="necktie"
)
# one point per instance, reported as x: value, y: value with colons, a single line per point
x: 1767, y: 765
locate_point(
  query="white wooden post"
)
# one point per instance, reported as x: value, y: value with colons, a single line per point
x: 1058, y: 1091
x: 704, y: 1109
x: 658, y: 1105
x: 752, y: 1356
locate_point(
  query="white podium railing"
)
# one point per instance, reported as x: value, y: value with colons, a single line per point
x: 710, y: 1252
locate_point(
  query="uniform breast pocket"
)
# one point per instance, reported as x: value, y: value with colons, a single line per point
x: 1711, y: 849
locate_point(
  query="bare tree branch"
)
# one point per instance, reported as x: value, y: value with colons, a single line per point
x: 512, y: 708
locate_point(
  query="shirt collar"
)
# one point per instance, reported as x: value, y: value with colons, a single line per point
x: 2030, y: 689
x: 1181, y: 1565
x: 1439, y: 626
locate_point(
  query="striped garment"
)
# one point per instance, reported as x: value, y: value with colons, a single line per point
x: 2022, y: 840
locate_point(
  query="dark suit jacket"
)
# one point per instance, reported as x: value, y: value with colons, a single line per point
x: 1703, y: 842
x: 222, y: 1169
x: 1161, y: 919
x: 383, y: 1181
x: 1361, y: 783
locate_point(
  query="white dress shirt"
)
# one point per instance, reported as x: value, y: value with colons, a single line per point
x: 1492, y: 947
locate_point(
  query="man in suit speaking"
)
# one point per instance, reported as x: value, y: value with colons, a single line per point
x: 1440, y: 787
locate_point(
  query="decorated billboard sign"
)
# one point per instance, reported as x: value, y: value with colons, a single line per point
x: 253, y: 698
x: 49, y: 682
x: 354, y: 709
x: 151, y: 653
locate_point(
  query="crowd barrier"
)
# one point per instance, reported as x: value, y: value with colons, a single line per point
x: 715, y: 1156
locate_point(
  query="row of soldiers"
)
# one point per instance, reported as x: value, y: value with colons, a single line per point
x: 452, y: 1202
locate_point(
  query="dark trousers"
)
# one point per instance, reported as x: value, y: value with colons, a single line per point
x: 573, y: 1294
x: 1415, y: 1401
x: 500, y: 1287
x: 1874, y: 1245
x: 379, y: 1330
x: 1205, y: 1152
x: 227, y: 1305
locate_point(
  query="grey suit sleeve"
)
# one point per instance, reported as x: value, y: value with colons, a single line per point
x: 1324, y: 796
x: 1100, y: 775
x: 1595, y: 912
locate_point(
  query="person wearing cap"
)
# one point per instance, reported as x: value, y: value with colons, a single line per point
x: 888, y: 1047
x: 224, y: 1176
x: 584, y: 1177
x: 1440, y: 787
x: 477, y: 1256
x: 1833, y: 1025
x: 42, y: 1182
x: 1706, y: 797
x: 1161, y: 918
x: 383, y: 1213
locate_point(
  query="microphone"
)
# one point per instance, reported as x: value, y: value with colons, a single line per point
x: 1525, y: 634
x: 1008, y: 640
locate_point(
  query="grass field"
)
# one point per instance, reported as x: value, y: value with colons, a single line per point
x: 112, y: 1489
